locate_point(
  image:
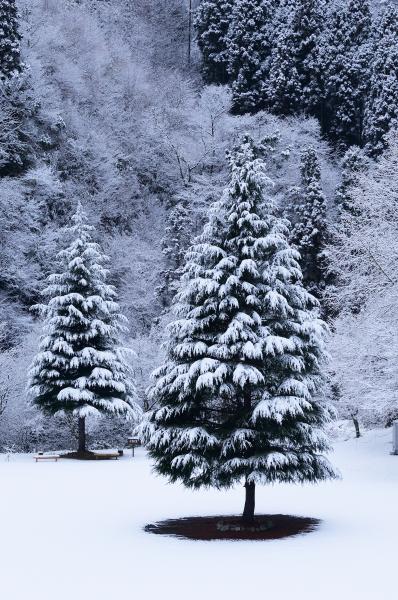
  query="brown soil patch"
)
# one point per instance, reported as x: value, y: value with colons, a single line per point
x: 265, y: 527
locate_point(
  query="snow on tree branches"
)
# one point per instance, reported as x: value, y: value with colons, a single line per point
x: 174, y: 245
x: 10, y: 59
x: 294, y: 79
x: 310, y: 231
x: 381, y: 111
x: 212, y: 23
x: 80, y: 368
x: 249, y: 49
x: 236, y: 395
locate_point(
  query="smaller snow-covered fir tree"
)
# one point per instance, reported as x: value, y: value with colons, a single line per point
x: 10, y: 57
x: 212, y: 23
x: 235, y: 397
x: 381, y: 112
x: 310, y: 230
x: 81, y: 368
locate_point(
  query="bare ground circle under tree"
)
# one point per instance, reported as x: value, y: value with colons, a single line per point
x: 264, y: 527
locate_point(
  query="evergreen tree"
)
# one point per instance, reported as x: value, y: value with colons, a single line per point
x: 381, y: 110
x: 343, y: 59
x: 236, y: 394
x: 307, y: 25
x: 10, y: 58
x: 249, y: 49
x: 310, y: 230
x: 18, y: 130
x: 174, y: 244
x: 353, y: 164
x: 80, y: 369
x: 282, y: 88
x: 295, y: 82
x: 212, y: 23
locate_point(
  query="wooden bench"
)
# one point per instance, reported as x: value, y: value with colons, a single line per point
x: 47, y: 457
x: 133, y: 442
x: 106, y: 455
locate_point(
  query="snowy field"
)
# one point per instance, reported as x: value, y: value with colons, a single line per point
x: 74, y: 531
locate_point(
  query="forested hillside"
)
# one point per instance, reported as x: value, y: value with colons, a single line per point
x: 130, y: 107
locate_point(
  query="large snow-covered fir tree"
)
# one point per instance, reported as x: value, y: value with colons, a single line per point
x: 10, y: 54
x: 236, y: 395
x: 249, y: 49
x: 381, y: 110
x: 309, y: 233
x: 212, y: 22
x: 80, y: 368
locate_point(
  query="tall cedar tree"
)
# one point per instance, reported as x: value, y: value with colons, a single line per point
x: 212, y: 22
x: 10, y: 54
x: 353, y: 164
x: 249, y: 50
x: 343, y: 59
x: 295, y: 82
x: 309, y: 234
x: 80, y: 368
x: 235, y: 396
x: 174, y: 245
x: 382, y: 102
x: 18, y: 117
x: 282, y: 88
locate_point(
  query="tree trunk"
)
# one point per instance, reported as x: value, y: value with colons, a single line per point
x: 82, y: 434
x: 248, y: 511
x: 356, y: 425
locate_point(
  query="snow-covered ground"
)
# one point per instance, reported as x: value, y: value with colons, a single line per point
x: 74, y: 531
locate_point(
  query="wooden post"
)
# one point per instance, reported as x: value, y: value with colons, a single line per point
x: 395, y: 437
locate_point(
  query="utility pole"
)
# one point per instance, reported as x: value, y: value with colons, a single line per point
x: 189, y: 32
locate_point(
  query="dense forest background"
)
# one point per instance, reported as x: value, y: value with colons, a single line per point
x: 129, y: 107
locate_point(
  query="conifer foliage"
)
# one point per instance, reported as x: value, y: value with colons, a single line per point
x: 174, y: 245
x: 80, y: 368
x: 249, y: 49
x: 352, y: 165
x: 344, y: 59
x: 321, y: 58
x: 212, y: 23
x: 309, y: 234
x: 10, y: 57
x: 235, y: 397
x: 295, y: 82
x: 382, y: 102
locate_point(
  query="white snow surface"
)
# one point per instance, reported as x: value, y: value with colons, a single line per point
x: 74, y: 530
